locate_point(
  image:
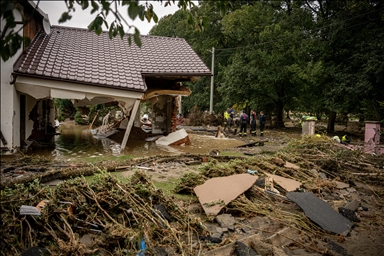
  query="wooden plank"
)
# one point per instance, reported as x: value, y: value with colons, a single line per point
x: 5, y: 143
x: 130, y: 124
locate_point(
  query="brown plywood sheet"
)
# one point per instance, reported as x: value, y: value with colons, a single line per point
x: 287, y: 184
x: 216, y: 193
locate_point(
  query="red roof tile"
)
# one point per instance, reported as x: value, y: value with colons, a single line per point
x: 79, y: 55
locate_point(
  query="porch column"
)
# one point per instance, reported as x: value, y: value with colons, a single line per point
x: 130, y: 124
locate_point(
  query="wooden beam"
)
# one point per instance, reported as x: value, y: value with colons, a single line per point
x: 130, y: 124
x: 3, y: 139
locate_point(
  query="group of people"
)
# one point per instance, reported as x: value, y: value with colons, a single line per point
x: 244, y: 120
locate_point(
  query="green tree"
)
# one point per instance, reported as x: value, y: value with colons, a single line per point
x: 266, y: 70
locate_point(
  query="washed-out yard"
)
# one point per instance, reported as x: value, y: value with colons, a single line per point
x: 284, y: 194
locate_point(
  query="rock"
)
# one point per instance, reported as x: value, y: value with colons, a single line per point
x: 353, y: 205
x: 243, y: 250
x: 351, y: 190
x: 222, y: 230
x: 322, y: 175
x: 341, y: 185
x: 349, y: 214
x: 315, y: 172
x: 226, y: 221
x: 338, y: 249
x: 344, y: 193
x: 217, y: 235
x: 211, y: 239
x: 87, y: 240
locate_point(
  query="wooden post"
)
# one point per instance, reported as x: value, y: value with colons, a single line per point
x: 130, y: 124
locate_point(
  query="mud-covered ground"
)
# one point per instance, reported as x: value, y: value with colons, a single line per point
x: 264, y: 222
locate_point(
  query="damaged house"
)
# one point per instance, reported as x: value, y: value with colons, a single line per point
x: 76, y: 64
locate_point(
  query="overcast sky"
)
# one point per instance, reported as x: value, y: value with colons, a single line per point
x: 82, y: 19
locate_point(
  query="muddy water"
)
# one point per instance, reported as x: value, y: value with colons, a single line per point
x: 76, y: 142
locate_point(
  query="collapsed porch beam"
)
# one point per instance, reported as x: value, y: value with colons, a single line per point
x: 130, y: 124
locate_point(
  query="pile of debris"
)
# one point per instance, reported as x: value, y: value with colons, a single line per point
x: 315, y: 197
x: 305, y: 202
x: 104, y: 216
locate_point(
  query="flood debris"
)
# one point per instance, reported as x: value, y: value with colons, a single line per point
x: 118, y: 215
x: 291, y: 165
x: 287, y: 184
x: 176, y: 138
x: 321, y: 212
x: 216, y: 193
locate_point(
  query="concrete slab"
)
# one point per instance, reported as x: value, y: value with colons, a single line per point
x: 287, y: 184
x: 321, y: 212
x: 216, y: 193
x: 175, y: 138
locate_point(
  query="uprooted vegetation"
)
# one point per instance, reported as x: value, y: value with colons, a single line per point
x: 122, y: 214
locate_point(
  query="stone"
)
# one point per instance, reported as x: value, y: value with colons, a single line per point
x: 322, y: 175
x: 335, y: 247
x: 344, y: 192
x: 217, y: 234
x: 87, y: 240
x: 353, y: 206
x: 315, y: 172
x: 211, y: 239
x: 341, y: 185
x: 349, y: 214
x: 243, y: 250
x: 351, y: 190
x: 226, y: 221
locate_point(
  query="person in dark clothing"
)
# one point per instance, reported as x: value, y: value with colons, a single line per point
x: 244, y: 119
x: 263, y: 119
x: 253, y: 122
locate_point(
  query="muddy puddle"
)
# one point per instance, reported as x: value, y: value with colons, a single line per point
x: 76, y: 142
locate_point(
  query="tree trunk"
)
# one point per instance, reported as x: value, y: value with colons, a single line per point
x: 288, y: 117
x: 331, y: 121
x: 279, y: 113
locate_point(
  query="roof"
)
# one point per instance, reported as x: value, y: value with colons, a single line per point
x: 80, y: 56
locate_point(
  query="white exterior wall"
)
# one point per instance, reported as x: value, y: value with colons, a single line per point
x: 10, y: 110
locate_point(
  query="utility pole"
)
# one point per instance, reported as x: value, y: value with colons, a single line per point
x: 212, y: 79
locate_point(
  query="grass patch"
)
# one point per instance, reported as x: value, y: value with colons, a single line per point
x: 118, y: 175
x: 231, y: 153
x: 168, y: 188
